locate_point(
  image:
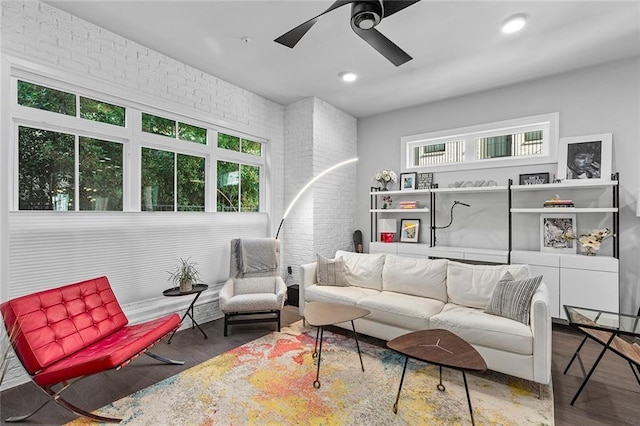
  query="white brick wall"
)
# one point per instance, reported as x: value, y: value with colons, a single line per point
x: 317, y: 137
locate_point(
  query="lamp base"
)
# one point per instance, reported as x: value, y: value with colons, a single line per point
x: 387, y: 237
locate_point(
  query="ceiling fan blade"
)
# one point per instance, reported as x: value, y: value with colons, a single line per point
x: 291, y: 38
x: 389, y: 7
x: 383, y: 45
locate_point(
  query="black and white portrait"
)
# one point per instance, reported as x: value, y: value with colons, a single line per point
x: 584, y: 160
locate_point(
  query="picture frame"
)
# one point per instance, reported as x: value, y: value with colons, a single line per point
x: 585, y: 158
x: 424, y: 180
x: 408, y: 181
x: 534, y: 178
x: 409, y: 230
x: 558, y: 233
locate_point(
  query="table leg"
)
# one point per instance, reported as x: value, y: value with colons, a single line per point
x: 440, y: 386
x: 395, y: 405
x: 355, y: 335
x: 466, y: 388
x: 586, y: 379
x: 316, y: 383
x: 575, y: 354
x: 189, y: 312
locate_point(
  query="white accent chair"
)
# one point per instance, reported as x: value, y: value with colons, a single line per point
x: 253, y: 294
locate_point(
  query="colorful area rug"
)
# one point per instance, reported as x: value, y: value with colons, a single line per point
x: 270, y: 382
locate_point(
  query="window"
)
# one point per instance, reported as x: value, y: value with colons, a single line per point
x: 171, y: 128
x: 47, y: 172
x: 171, y: 181
x: 68, y: 162
x: 234, y: 143
x: 529, y: 140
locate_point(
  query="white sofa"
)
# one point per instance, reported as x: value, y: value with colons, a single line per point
x: 406, y: 294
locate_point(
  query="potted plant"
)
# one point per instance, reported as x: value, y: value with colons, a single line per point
x: 185, y: 275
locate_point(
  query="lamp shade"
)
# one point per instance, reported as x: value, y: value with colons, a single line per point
x: 386, y: 226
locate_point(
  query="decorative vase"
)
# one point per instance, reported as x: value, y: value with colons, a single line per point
x: 384, y: 184
x: 588, y: 251
x: 186, y: 286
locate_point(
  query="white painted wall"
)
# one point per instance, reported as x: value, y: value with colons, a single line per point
x: 601, y: 99
x: 317, y: 137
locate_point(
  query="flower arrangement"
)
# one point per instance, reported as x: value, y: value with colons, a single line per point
x: 384, y: 177
x: 387, y: 200
x: 592, y: 241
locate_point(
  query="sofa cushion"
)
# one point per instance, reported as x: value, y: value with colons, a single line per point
x: 512, y: 299
x: 472, y: 285
x: 403, y: 310
x: 345, y: 295
x: 363, y: 270
x: 331, y: 271
x: 417, y: 277
x: 482, y: 329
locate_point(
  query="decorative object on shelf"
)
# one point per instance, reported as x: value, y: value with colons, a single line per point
x: 408, y: 181
x: 470, y: 184
x: 384, y: 178
x: 557, y: 202
x: 534, y: 179
x: 585, y: 158
x: 387, y: 202
x: 409, y: 204
x: 590, y: 243
x: 409, y: 230
x: 558, y: 233
x: 424, y: 180
x: 184, y: 275
x: 387, y: 229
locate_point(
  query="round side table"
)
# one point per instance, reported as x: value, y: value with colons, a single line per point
x: 197, y: 290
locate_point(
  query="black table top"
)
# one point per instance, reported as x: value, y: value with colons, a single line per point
x: 175, y: 291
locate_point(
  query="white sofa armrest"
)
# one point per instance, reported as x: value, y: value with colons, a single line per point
x: 226, y: 293
x: 540, y: 316
x: 308, y: 277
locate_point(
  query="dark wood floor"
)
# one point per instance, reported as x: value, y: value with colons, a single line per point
x: 612, y: 397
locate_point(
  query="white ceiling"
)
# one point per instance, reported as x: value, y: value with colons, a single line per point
x: 457, y: 46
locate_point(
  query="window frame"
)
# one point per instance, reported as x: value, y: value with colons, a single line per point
x: 548, y: 123
x: 131, y: 136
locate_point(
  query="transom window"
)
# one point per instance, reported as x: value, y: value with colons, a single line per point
x: 529, y: 140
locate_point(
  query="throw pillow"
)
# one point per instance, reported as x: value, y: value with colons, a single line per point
x: 512, y: 299
x: 331, y: 272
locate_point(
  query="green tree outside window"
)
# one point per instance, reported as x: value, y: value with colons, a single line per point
x: 41, y: 97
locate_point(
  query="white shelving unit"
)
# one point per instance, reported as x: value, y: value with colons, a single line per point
x: 574, y: 279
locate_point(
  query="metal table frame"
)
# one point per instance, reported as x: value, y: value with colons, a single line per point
x: 197, y: 290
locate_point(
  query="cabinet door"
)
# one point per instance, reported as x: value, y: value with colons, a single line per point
x: 551, y: 277
x: 589, y: 289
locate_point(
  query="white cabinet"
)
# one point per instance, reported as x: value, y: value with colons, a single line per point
x: 574, y: 279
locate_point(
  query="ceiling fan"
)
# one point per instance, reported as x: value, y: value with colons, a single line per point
x: 365, y: 15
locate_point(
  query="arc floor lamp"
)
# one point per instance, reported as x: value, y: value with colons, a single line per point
x: 308, y: 185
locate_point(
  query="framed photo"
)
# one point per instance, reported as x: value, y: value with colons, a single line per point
x: 407, y: 181
x: 409, y: 230
x: 558, y: 233
x: 424, y: 180
x: 585, y: 158
x: 534, y: 178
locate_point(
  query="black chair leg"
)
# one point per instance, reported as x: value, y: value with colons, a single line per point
x: 226, y: 316
x: 278, y: 314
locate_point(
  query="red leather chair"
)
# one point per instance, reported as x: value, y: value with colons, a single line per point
x: 71, y: 332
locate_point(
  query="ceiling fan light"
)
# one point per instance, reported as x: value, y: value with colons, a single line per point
x: 366, y: 20
x: 366, y: 15
x: 514, y: 24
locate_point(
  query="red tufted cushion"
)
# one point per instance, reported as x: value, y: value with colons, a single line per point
x: 53, y: 324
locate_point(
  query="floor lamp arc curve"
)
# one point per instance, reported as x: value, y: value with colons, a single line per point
x: 309, y: 184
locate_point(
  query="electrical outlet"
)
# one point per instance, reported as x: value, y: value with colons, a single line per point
x: 289, y: 270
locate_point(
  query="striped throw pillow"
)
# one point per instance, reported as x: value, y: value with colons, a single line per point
x: 512, y: 299
x: 331, y: 272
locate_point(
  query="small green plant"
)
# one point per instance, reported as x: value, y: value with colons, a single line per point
x: 184, y: 272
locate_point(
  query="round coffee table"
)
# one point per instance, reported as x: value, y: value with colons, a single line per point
x: 321, y: 314
x: 442, y: 348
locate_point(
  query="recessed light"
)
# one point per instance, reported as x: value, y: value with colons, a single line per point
x: 348, y: 76
x: 514, y: 24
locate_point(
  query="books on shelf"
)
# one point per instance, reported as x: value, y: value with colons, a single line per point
x: 408, y: 204
x: 557, y: 202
